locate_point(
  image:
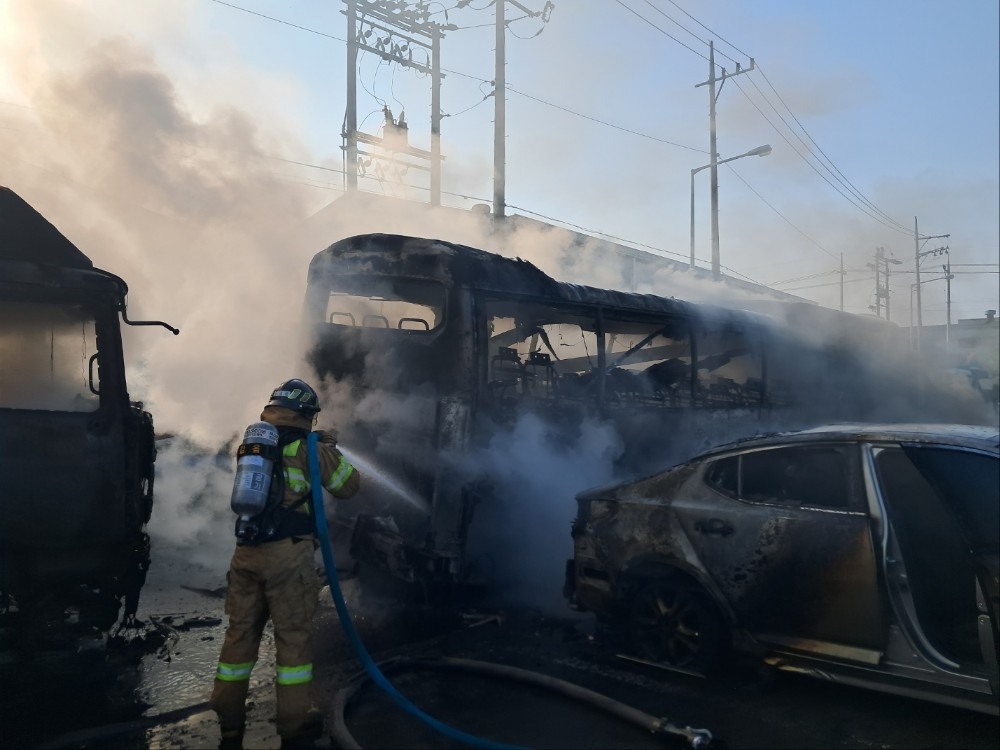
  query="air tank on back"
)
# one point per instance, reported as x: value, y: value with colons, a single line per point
x: 254, y: 461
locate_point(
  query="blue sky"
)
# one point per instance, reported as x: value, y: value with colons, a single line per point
x: 901, y: 98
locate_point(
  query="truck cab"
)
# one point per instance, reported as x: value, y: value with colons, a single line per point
x: 76, y: 454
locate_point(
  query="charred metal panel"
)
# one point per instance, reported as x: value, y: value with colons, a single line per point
x: 622, y: 533
x: 783, y: 571
x: 478, y: 269
x: 26, y: 236
x: 431, y: 259
x: 76, y: 456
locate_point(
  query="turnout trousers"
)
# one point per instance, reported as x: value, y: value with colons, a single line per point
x: 277, y: 580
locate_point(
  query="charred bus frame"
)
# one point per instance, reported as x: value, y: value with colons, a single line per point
x: 436, y: 347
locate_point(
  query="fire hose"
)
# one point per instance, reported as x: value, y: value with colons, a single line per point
x: 697, y: 738
x: 371, y: 668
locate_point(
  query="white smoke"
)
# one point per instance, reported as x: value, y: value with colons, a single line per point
x: 521, y: 538
x: 167, y: 180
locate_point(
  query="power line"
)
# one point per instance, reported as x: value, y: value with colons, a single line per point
x: 811, y: 165
x: 595, y: 232
x: 665, y: 33
x: 605, y: 123
x: 954, y: 272
x: 715, y: 35
x: 802, y: 278
x: 480, y: 79
x: 752, y: 281
x: 842, y: 177
x: 278, y: 20
x: 837, y: 174
x: 783, y: 217
x: 829, y: 283
x: 486, y: 96
x: 678, y: 24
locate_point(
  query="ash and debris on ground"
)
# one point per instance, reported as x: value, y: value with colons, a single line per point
x: 148, y: 687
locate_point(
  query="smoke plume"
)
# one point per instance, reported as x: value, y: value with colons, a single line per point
x: 173, y: 188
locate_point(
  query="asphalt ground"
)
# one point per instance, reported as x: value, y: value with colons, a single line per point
x: 113, y: 699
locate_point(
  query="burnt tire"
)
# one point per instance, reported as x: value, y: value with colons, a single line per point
x: 677, y: 624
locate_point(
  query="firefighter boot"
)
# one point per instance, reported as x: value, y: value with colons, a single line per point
x: 303, y: 742
x: 232, y: 739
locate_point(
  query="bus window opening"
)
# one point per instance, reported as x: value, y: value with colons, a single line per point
x: 400, y: 305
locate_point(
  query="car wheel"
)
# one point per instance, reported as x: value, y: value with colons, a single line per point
x: 677, y: 624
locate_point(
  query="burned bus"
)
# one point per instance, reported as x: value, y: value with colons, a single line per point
x: 432, y: 350
x: 76, y: 454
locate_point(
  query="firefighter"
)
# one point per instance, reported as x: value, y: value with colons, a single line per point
x: 272, y: 575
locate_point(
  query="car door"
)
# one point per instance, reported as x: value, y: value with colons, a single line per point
x: 788, y: 543
x: 942, y: 506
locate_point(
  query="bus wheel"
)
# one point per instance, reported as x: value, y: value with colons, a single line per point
x: 676, y: 624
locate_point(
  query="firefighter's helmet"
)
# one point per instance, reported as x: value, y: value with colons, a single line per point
x: 296, y: 395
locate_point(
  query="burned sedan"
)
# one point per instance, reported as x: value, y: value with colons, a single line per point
x: 865, y: 554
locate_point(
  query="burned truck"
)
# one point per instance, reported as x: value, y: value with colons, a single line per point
x: 431, y: 351
x: 76, y: 454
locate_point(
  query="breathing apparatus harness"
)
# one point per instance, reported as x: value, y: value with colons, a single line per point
x: 276, y: 520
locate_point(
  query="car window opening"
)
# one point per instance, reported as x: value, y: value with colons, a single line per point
x: 814, y: 476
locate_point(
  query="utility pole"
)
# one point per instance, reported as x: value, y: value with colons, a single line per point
x: 947, y: 328
x: 917, y: 239
x: 842, y: 282
x: 916, y: 256
x: 499, y: 99
x: 888, y: 294
x: 350, y: 133
x: 500, y: 115
x: 393, y: 31
x: 881, y: 266
x: 436, y: 116
x: 713, y: 146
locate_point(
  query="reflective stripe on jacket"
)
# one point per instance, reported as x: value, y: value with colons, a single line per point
x: 297, y: 477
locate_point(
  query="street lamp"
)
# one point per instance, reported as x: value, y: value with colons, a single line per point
x: 759, y: 151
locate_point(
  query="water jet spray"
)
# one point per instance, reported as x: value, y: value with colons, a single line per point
x: 371, y: 471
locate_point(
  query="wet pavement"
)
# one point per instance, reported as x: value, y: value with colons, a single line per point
x: 148, y: 691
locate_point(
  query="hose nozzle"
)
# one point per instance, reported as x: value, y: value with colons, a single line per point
x: 698, y: 739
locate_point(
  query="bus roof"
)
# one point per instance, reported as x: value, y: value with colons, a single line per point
x: 451, y: 263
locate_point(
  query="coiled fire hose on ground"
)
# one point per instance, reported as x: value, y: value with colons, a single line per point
x: 697, y: 738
